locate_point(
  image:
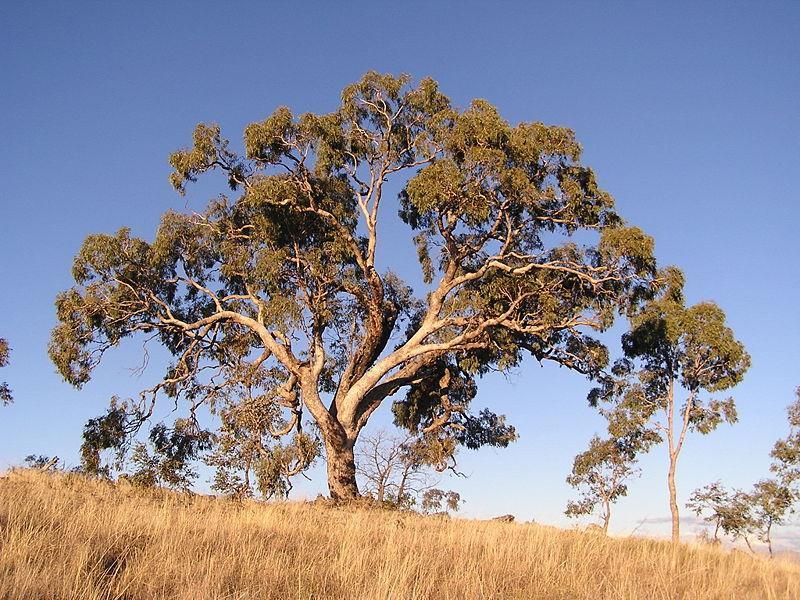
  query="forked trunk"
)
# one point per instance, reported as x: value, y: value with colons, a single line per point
x: 341, y: 469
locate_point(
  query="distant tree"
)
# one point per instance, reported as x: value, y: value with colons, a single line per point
x: 601, y: 474
x: 786, y: 452
x: 435, y: 500
x: 41, y: 462
x: 167, y: 459
x: 281, y: 286
x: 400, y: 471
x: 771, y: 503
x: 379, y: 460
x: 5, y: 392
x: 669, y: 349
x: 768, y: 504
x: 772, y: 500
x: 728, y: 511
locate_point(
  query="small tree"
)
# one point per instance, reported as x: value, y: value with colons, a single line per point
x: 5, y: 391
x: 601, y: 474
x: 440, y: 501
x: 671, y: 348
x: 399, y: 470
x: 773, y: 500
x: 771, y: 503
x: 168, y: 459
x: 380, y: 460
x: 725, y: 510
x: 786, y: 452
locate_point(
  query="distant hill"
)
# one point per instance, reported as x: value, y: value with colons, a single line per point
x: 67, y: 537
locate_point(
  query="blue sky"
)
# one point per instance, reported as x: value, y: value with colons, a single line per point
x: 688, y: 113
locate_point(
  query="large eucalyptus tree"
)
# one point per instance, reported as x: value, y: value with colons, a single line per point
x: 277, y: 303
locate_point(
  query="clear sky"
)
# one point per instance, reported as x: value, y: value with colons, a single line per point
x: 688, y: 113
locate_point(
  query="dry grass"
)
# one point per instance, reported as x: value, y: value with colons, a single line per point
x: 62, y: 536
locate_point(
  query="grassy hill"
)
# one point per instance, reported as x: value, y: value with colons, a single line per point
x: 63, y: 536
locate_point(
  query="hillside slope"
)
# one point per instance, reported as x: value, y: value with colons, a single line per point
x: 66, y: 537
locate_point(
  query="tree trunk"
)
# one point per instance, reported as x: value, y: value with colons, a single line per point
x: 673, y: 501
x: 381, y: 491
x: 401, y: 489
x: 341, y: 468
x: 769, y: 539
x: 606, y: 517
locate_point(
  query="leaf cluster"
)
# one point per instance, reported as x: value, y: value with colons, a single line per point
x: 168, y: 460
x: 670, y: 347
x: 601, y: 473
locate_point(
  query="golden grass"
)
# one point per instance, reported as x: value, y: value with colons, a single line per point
x: 63, y: 536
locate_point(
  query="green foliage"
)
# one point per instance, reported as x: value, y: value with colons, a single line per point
x: 730, y: 512
x: 435, y: 500
x: 275, y: 469
x: 247, y: 455
x: 40, y: 461
x: 6, y: 396
x: 146, y: 467
x: 107, y: 432
x: 276, y: 289
x: 169, y: 463
x: 673, y: 347
x: 446, y: 399
x: 786, y: 452
x: 601, y: 474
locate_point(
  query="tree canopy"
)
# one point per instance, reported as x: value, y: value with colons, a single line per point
x: 273, y: 295
x: 601, y: 473
x: 670, y: 350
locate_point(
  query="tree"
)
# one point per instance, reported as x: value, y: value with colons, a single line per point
x: 786, y: 452
x: 601, y: 473
x: 436, y: 501
x: 771, y: 502
x: 41, y: 462
x: 675, y: 348
x: 728, y: 511
x: 5, y: 391
x: 279, y: 285
x: 168, y: 459
x: 398, y: 470
x: 381, y: 460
